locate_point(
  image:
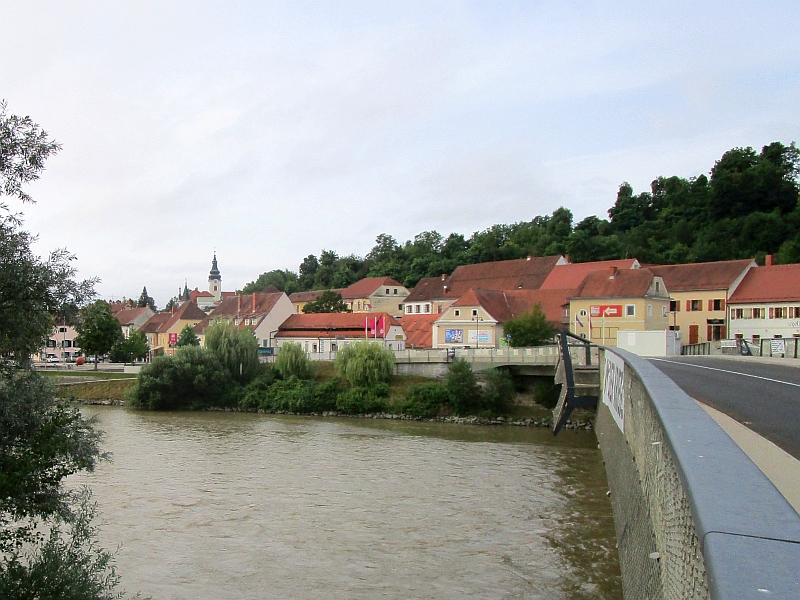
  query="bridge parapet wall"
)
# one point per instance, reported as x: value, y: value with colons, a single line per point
x: 694, y: 517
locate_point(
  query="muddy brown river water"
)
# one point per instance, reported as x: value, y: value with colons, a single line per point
x: 231, y: 506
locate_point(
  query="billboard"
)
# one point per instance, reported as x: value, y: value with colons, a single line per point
x: 606, y: 310
x: 173, y: 338
x: 482, y: 336
x: 454, y: 336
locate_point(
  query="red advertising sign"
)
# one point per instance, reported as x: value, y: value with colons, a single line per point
x: 606, y: 310
x: 173, y: 338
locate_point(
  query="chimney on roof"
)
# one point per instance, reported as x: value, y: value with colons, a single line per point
x: 238, y: 303
x: 566, y: 257
x: 444, y: 276
x: 529, y: 257
x: 254, y: 302
x: 769, y: 261
x: 614, y: 271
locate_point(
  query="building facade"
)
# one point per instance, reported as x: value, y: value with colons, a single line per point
x: 766, y: 304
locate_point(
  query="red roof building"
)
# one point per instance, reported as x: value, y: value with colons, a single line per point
x: 766, y: 304
x: 418, y: 330
x: 565, y: 277
x: 262, y: 312
x: 328, y: 332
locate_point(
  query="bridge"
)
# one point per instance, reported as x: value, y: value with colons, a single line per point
x: 695, y: 516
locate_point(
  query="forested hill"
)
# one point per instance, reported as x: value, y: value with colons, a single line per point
x: 747, y: 207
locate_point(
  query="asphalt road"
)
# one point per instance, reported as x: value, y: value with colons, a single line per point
x: 764, y: 397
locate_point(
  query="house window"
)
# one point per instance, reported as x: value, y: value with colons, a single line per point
x: 395, y: 291
x: 649, y: 310
x: 779, y: 312
x: 458, y: 313
x: 664, y: 311
x: 51, y: 343
x: 759, y: 313
x: 428, y: 308
x: 62, y: 330
x: 322, y: 346
x: 794, y: 312
x: 694, y: 305
x: 399, y: 307
x: 409, y: 309
x: 416, y: 308
x: 474, y: 312
x: 387, y: 291
x: 630, y: 310
x: 582, y: 313
x: 717, y: 305
x: 674, y: 306
x: 313, y: 347
x: 658, y: 286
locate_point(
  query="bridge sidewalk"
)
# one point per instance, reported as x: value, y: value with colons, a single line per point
x: 780, y: 467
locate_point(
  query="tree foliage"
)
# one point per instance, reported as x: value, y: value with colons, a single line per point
x: 48, y: 546
x: 129, y: 349
x: 365, y: 364
x: 292, y: 362
x: 236, y: 349
x: 193, y: 378
x: 145, y: 300
x: 98, y: 329
x: 328, y: 302
x: 529, y: 329
x: 188, y: 337
x: 285, y: 281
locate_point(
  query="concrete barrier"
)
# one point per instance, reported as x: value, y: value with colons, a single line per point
x: 695, y: 518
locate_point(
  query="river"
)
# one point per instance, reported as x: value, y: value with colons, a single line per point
x: 231, y: 506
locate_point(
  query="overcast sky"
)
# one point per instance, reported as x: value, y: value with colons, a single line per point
x: 272, y: 130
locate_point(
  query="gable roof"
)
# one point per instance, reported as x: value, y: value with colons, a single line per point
x: 366, y: 286
x: 778, y: 283
x: 187, y: 311
x: 524, y: 273
x: 306, y: 296
x: 627, y: 283
x: 572, y: 275
x: 127, y: 316
x: 247, y: 306
x: 702, y: 276
x: 195, y: 294
x: 154, y: 322
x: 430, y: 288
x: 326, y: 325
x: 419, y: 329
x: 505, y: 305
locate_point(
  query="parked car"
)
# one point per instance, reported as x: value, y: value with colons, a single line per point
x: 52, y: 359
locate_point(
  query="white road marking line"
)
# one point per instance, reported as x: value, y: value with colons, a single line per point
x: 675, y: 362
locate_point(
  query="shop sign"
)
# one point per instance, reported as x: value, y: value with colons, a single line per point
x: 606, y: 310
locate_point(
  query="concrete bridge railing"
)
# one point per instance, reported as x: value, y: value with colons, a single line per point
x: 539, y: 360
x: 694, y: 517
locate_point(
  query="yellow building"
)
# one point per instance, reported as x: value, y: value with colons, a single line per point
x: 614, y: 300
x: 163, y: 329
x: 700, y: 293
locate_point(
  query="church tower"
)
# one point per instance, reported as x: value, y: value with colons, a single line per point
x: 215, y: 280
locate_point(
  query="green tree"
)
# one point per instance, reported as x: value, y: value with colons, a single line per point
x: 145, y: 300
x: 188, y: 337
x: 462, y: 387
x: 285, y: 281
x: 328, y: 302
x: 41, y: 441
x: 530, y: 329
x: 193, y: 378
x: 236, y: 349
x: 365, y: 364
x: 129, y: 349
x: 292, y: 361
x: 98, y: 329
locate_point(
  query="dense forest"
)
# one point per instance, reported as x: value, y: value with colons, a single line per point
x: 746, y: 208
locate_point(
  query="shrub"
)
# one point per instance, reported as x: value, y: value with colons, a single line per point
x: 530, y: 329
x: 425, y: 400
x: 255, y: 391
x: 292, y: 395
x: 546, y: 393
x: 292, y: 361
x: 193, y: 378
x: 497, y: 390
x: 462, y: 387
x: 236, y: 349
x: 365, y: 364
x: 362, y: 400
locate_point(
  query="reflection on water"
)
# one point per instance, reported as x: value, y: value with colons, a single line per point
x: 228, y: 505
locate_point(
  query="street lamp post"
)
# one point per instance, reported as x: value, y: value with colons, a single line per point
x: 478, y: 320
